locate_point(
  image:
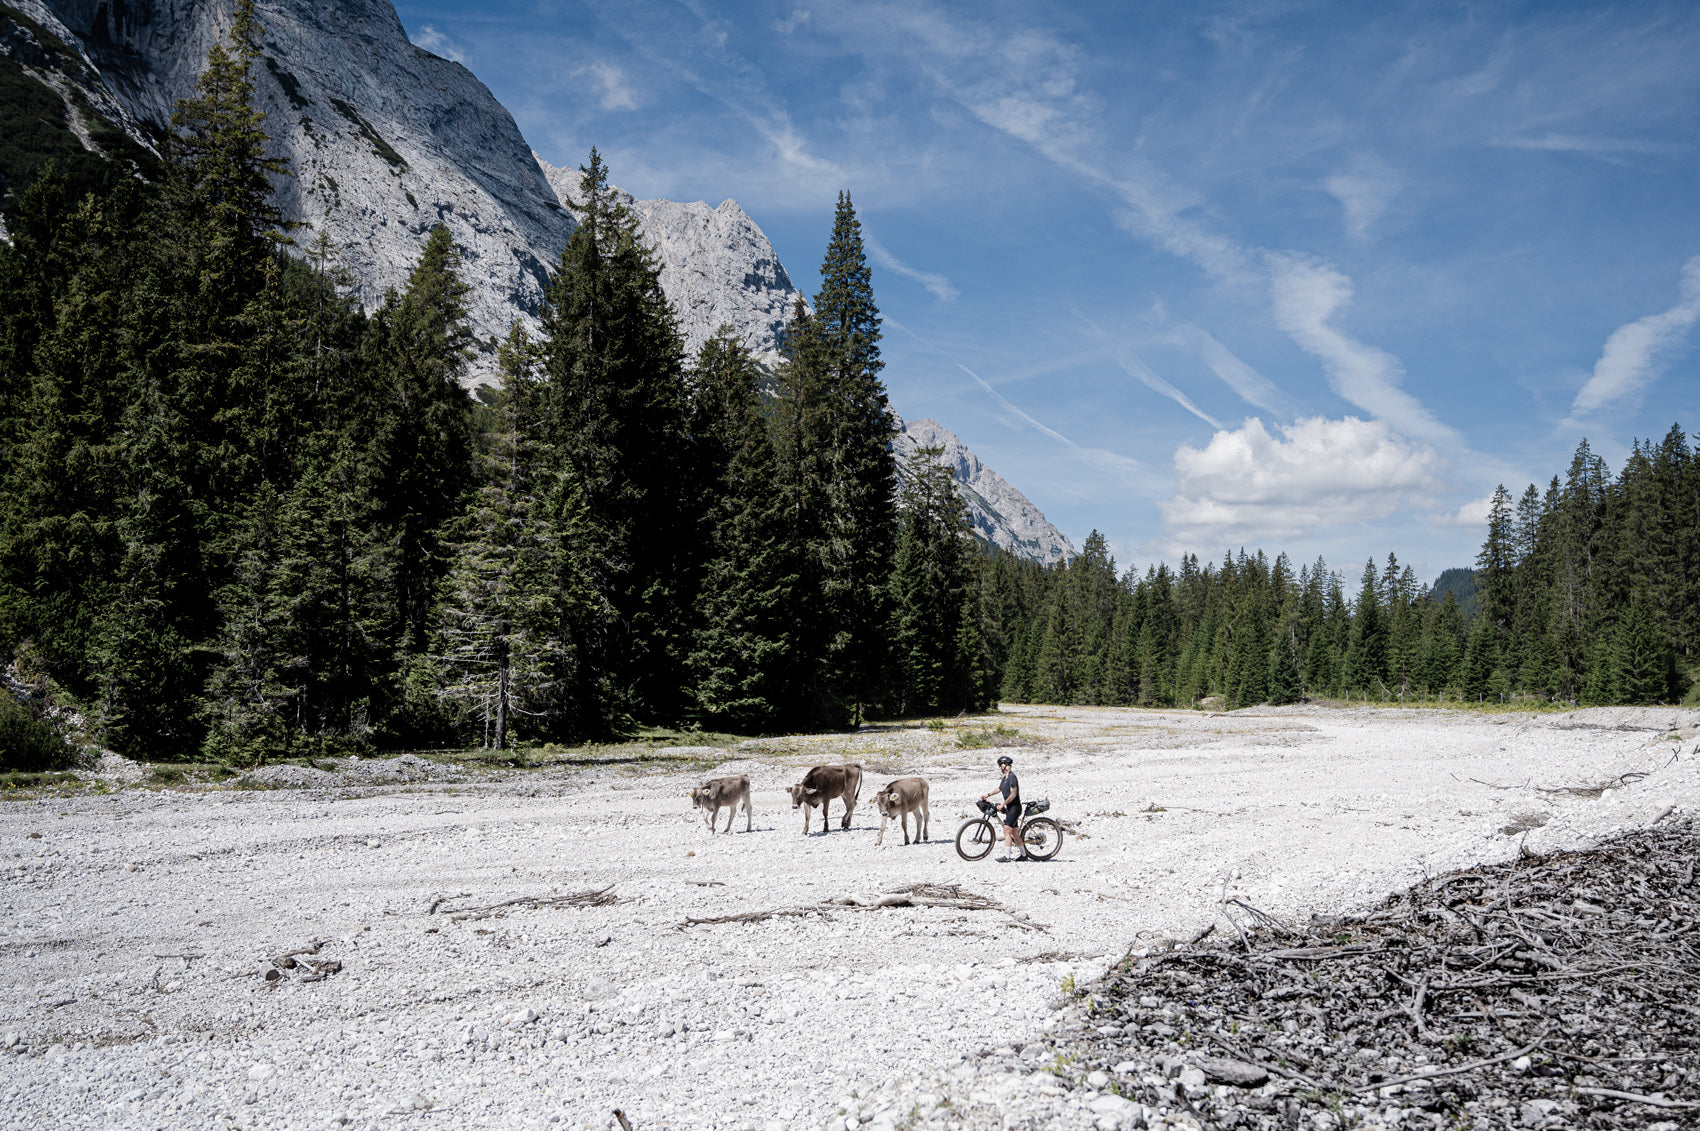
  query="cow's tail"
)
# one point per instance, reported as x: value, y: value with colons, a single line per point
x: 856, y: 796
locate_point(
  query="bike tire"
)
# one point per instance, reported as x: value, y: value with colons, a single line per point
x: 974, y: 840
x: 1043, y: 838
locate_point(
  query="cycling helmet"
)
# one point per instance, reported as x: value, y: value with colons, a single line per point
x: 1006, y: 760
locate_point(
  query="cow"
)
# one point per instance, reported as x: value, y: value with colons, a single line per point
x: 899, y: 799
x: 825, y: 784
x: 711, y: 795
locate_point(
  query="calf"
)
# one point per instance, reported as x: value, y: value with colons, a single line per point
x: 711, y: 795
x: 899, y: 799
x: 825, y: 784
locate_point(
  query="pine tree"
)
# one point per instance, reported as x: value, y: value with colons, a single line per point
x: 1641, y: 658
x: 614, y: 409
x: 744, y: 647
x: 420, y: 449
x: 935, y: 642
x: 1285, y: 684
x: 1366, y: 657
x: 519, y: 600
x: 833, y: 428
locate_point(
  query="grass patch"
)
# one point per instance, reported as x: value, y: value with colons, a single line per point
x: 999, y: 735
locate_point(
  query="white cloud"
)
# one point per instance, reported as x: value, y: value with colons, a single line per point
x: 1308, y: 293
x: 1633, y: 354
x: 797, y: 18
x: 1250, y: 487
x: 939, y: 285
x: 1364, y: 194
x: 437, y: 43
x: 1473, y: 515
x: 616, y: 91
x: 1604, y: 148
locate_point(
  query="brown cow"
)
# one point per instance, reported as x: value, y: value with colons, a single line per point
x: 711, y: 795
x: 824, y: 785
x: 899, y: 799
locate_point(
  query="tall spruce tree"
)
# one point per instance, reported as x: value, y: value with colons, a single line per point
x: 743, y: 655
x: 518, y: 600
x: 420, y: 449
x: 935, y: 642
x: 614, y: 410
x: 833, y: 428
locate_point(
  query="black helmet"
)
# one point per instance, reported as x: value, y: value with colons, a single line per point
x: 1006, y: 760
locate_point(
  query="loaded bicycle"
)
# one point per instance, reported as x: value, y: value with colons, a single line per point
x: 978, y: 835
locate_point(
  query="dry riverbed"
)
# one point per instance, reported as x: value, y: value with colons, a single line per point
x: 451, y: 983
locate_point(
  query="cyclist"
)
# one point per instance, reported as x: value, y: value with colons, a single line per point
x: 1009, y: 790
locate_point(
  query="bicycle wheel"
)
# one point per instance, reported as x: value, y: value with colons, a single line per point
x: 1043, y: 838
x: 975, y: 839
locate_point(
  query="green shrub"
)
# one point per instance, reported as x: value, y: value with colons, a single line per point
x: 28, y: 742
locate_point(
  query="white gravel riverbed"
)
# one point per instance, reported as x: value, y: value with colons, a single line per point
x: 136, y: 926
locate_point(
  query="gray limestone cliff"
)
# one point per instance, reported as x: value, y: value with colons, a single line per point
x: 383, y: 138
x: 717, y: 267
x: 1001, y: 515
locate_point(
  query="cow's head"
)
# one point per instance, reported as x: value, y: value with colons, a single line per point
x: 699, y: 796
x: 886, y: 802
x: 798, y: 793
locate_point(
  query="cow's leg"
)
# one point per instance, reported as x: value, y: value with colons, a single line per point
x: 879, y: 840
x: 731, y: 814
x: 926, y: 819
x: 904, y: 817
x: 749, y: 816
x: 849, y: 804
x: 709, y: 815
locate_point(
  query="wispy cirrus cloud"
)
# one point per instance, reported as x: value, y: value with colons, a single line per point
x: 1308, y: 297
x: 1026, y: 84
x: 1124, y: 469
x: 1364, y: 191
x: 437, y: 43
x: 938, y: 285
x: 1253, y: 387
x: 1131, y: 364
x: 616, y: 90
x: 1636, y: 352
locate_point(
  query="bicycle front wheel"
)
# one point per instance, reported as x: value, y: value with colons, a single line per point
x: 975, y: 839
x: 1043, y: 838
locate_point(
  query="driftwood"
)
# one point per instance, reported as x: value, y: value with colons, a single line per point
x: 590, y: 897
x: 914, y: 895
x: 1570, y: 978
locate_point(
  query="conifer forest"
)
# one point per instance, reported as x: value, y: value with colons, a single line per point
x: 244, y: 518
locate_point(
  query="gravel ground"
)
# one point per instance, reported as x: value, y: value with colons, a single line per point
x: 139, y: 925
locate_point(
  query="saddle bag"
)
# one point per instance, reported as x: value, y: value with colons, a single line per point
x: 1034, y: 808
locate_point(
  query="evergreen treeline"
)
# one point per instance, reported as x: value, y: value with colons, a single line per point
x: 1590, y: 590
x: 1588, y: 593
x: 242, y: 517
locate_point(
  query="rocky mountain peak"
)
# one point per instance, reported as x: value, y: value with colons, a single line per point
x: 1001, y: 515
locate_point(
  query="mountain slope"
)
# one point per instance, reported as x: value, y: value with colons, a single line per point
x: 383, y: 138
x: 1001, y: 515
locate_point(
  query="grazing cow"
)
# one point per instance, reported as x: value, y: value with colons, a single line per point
x: 825, y: 784
x: 711, y: 795
x: 899, y: 799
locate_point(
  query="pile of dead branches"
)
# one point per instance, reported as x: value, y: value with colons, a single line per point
x: 1557, y: 991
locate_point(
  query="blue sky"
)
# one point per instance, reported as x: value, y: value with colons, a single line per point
x: 1299, y: 276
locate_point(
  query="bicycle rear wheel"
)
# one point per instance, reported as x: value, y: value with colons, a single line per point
x: 1043, y: 838
x: 975, y: 838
